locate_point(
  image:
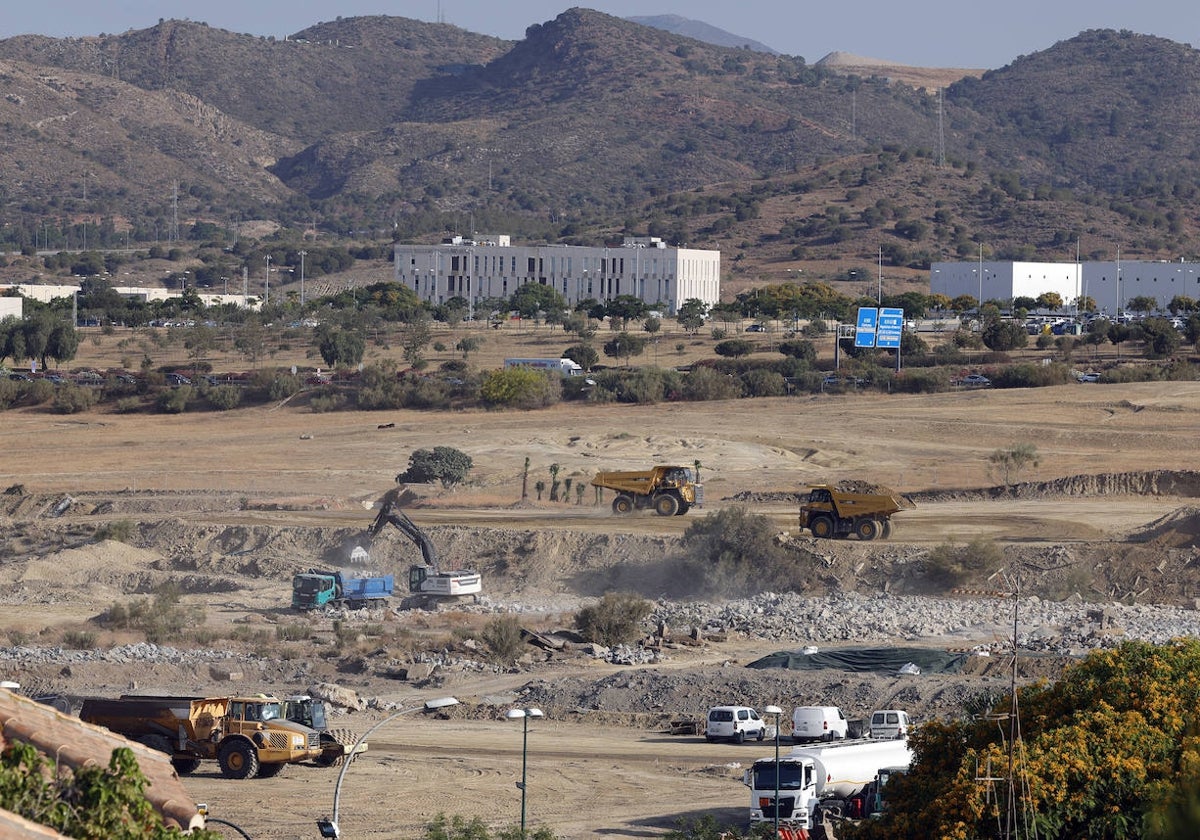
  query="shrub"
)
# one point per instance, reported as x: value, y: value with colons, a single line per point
x: 734, y: 347
x: 949, y: 565
x: 615, y: 619
x: 128, y: 405
x: 224, y: 397
x: 519, y: 387
x: 799, y: 349
x: 705, y: 383
x: 734, y: 552
x: 79, y: 640
x: 174, y: 400
x: 72, y: 399
x: 327, y: 402
x: 763, y: 383
x: 443, y: 464
x: 1031, y: 376
x: 120, y: 530
x: 502, y: 635
x: 283, y: 386
x: 292, y: 632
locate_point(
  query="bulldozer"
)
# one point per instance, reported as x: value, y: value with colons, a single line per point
x: 831, y: 512
x: 669, y: 490
x: 427, y: 582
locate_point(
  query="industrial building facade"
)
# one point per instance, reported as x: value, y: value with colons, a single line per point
x: 490, y: 267
x: 1110, y: 284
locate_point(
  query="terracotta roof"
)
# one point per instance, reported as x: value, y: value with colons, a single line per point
x: 72, y: 742
x: 13, y: 827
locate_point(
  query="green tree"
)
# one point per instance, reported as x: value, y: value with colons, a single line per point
x: 1142, y: 303
x: 583, y: 355
x: 340, y: 347
x: 444, y: 464
x: 626, y: 308
x: 468, y: 344
x: 417, y: 336
x: 616, y: 619
x: 1008, y: 464
x: 652, y: 325
x: 1107, y: 751
x: 691, y: 315
x: 1050, y: 300
x: 624, y: 346
x: 1001, y: 335
x: 533, y: 298
x: 734, y: 348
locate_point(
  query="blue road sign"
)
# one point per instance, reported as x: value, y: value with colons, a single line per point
x: 891, y: 324
x: 864, y: 330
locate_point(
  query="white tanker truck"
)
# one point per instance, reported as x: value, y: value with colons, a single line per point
x: 819, y: 778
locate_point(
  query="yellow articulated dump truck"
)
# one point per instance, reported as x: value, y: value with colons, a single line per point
x: 833, y: 511
x: 671, y: 491
x: 247, y: 736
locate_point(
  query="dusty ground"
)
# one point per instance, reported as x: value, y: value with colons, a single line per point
x: 229, y: 506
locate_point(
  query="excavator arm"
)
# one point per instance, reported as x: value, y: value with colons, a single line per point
x: 391, y: 514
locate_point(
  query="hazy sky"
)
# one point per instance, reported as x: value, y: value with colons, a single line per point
x: 935, y: 33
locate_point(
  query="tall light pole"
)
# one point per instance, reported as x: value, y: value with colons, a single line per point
x: 329, y: 826
x: 303, y: 254
x: 775, y: 710
x: 267, y: 282
x: 523, y: 715
x: 981, y: 285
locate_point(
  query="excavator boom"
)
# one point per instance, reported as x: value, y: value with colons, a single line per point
x: 427, y: 579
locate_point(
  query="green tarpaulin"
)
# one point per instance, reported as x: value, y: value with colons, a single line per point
x: 885, y: 660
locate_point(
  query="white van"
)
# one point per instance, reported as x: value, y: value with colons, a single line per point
x: 736, y: 723
x: 818, y: 723
x: 890, y: 723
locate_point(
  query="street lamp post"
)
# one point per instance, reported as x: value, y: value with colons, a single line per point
x: 524, y: 715
x: 775, y: 710
x: 267, y: 282
x: 303, y: 254
x: 329, y: 826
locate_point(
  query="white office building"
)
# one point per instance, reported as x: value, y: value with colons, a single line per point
x: 491, y: 267
x: 1110, y: 284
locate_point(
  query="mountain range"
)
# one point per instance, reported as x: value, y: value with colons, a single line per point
x: 591, y: 125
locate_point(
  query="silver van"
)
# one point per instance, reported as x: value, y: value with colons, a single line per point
x: 734, y: 723
x: 890, y: 723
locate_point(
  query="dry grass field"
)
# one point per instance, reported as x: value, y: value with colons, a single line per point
x: 318, y: 473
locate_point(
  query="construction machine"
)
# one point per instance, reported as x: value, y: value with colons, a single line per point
x: 427, y: 581
x: 337, y: 745
x: 832, y: 512
x: 670, y: 490
x: 247, y: 736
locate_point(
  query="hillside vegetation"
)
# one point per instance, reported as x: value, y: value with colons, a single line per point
x: 590, y: 127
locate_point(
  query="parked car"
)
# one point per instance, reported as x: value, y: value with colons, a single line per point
x: 177, y: 379
x: 1088, y: 377
x: 977, y: 380
x: 736, y: 723
x: 756, y: 328
x: 819, y: 723
x: 19, y: 377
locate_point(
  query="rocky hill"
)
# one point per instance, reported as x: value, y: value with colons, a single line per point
x: 591, y: 120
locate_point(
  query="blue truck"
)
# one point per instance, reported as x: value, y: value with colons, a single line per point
x: 315, y: 589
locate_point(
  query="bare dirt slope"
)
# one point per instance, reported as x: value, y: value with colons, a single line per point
x: 226, y: 507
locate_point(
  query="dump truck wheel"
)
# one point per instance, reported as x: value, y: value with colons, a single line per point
x: 622, y: 505
x: 267, y: 771
x: 887, y: 529
x: 238, y: 760
x: 185, y: 766
x: 821, y: 527
x: 666, y: 505
x: 866, y: 529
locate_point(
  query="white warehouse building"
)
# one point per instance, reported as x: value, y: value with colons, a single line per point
x: 1110, y: 284
x: 490, y: 267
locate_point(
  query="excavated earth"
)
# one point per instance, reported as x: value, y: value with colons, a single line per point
x: 220, y: 511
